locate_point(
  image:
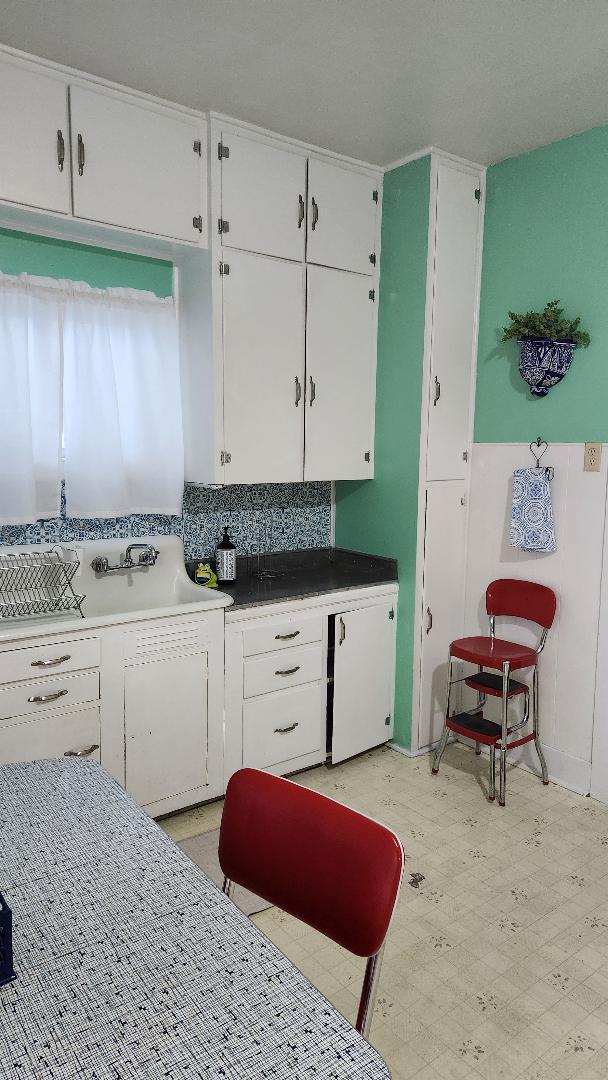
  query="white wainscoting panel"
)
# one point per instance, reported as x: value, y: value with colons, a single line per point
x: 568, y: 664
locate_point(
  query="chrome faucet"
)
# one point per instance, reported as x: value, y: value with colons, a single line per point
x: 147, y: 557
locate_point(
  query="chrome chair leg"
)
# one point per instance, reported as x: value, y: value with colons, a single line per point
x: 228, y: 888
x: 492, y: 785
x: 446, y: 731
x: 502, y: 791
x: 539, y: 749
x: 477, y: 749
x: 368, y: 994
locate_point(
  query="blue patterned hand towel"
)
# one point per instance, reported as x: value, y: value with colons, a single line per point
x: 532, y: 526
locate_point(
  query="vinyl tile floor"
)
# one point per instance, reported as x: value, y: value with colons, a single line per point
x: 496, y: 964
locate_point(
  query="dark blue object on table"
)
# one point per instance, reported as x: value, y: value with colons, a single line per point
x: 7, y: 973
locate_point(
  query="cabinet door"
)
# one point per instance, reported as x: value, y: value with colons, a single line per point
x: 263, y: 199
x: 263, y: 369
x: 458, y: 223
x: 340, y: 376
x: 443, y: 599
x: 35, y: 158
x: 135, y: 165
x: 342, y: 215
x: 364, y: 679
x: 166, y: 727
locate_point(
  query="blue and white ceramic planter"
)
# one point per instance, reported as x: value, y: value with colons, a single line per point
x: 543, y: 363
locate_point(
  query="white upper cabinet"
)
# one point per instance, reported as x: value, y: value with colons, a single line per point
x: 136, y: 164
x: 453, y: 331
x: 342, y: 216
x: 340, y: 376
x: 263, y: 198
x: 263, y: 332
x: 35, y: 156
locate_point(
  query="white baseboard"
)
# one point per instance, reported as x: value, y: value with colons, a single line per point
x: 569, y: 772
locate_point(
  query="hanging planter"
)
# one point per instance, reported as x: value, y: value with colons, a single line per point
x: 546, y: 345
x: 543, y: 363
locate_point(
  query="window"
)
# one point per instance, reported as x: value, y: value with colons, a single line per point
x: 98, y: 368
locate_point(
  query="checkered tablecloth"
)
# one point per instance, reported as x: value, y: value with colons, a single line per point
x: 131, y: 964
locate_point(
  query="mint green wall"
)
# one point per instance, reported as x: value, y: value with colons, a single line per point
x: 380, y: 515
x: 545, y: 237
x: 45, y: 257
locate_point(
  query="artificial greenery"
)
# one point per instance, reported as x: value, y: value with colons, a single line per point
x: 548, y: 325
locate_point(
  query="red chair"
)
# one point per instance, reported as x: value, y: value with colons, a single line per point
x: 516, y: 599
x: 336, y: 870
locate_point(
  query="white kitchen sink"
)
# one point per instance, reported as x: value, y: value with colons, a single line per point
x: 125, y: 594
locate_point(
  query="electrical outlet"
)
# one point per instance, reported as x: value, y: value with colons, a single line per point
x: 593, y: 457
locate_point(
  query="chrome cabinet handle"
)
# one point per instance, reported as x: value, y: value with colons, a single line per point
x: 284, y: 730
x: 342, y: 631
x: 315, y: 213
x: 38, y: 699
x: 298, y: 391
x: 81, y: 158
x: 51, y: 663
x: 437, y: 393
x: 429, y: 620
x: 313, y: 391
x: 60, y: 150
x: 288, y: 671
x: 300, y: 211
x: 286, y: 637
x: 82, y: 753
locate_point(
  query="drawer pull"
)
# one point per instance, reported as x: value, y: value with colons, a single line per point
x: 289, y: 670
x: 82, y: 753
x: 51, y: 663
x: 285, y: 730
x: 286, y: 637
x: 38, y: 699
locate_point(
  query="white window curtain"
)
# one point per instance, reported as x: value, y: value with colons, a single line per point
x: 123, y: 441
x: 103, y: 366
x: 30, y: 400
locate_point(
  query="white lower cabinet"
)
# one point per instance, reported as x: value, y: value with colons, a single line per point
x: 166, y: 716
x: 150, y: 710
x: 292, y: 705
x: 364, y: 678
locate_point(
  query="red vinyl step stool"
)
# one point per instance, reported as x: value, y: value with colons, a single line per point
x: 505, y: 597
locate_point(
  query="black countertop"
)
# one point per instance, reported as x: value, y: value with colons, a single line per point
x: 298, y: 574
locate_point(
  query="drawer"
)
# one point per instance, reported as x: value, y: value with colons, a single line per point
x: 285, y: 725
x: 273, y: 671
x: 38, y: 660
x: 75, y: 732
x: 282, y: 634
x: 46, y: 694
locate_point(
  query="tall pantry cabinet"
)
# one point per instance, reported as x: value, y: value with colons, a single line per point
x: 294, y: 250
x: 452, y: 289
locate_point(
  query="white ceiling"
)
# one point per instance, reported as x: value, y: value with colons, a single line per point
x: 376, y: 79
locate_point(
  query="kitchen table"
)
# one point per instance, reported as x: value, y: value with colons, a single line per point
x: 131, y: 964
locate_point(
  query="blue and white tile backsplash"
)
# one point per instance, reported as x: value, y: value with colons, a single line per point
x: 295, y: 515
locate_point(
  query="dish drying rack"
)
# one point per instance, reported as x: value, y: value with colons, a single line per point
x: 38, y: 583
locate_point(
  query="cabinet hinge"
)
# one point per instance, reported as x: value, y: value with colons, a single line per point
x: 197, y: 223
x: 372, y: 294
x: 223, y: 226
x: 478, y: 194
x: 463, y: 500
x: 391, y: 613
x: 387, y: 720
x: 367, y: 456
x: 372, y: 259
x: 222, y: 151
x: 224, y: 269
x: 465, y: 455
x: 197, y: 147
x: 225, y: 457
x: 375, y: 195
